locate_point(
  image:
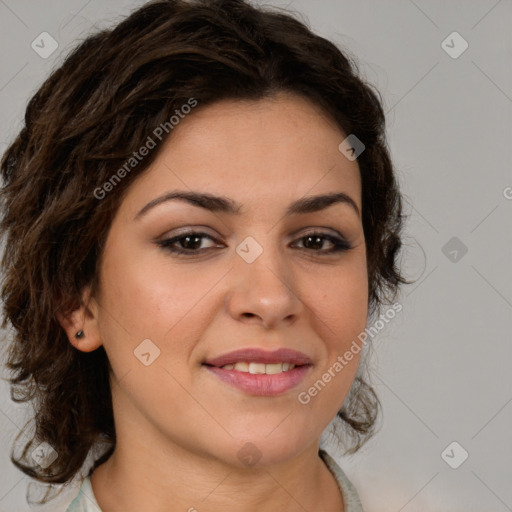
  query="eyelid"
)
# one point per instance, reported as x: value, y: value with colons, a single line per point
x: 191, y: 229
x: 317, y: 229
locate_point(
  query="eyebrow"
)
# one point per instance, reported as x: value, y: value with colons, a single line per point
x: 222, y: 204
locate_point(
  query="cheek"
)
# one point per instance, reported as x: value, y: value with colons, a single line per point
x: 340, y: 306
x: 150, y: 300
x: 340, y: 300
x: 169, y: 304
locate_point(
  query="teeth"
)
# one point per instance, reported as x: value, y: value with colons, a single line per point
x: 271, y: 369
x: 260, y: 368
x: 241, y: 367
x: 256, y: 368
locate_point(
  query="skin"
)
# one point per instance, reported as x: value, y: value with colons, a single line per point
x: 179, y: 428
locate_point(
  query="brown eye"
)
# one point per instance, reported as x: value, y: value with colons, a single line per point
x: 189, y: 243
x: 186, y: 243
x: 315, y: 241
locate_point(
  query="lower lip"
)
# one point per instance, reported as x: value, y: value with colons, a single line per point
x: 262, y: 384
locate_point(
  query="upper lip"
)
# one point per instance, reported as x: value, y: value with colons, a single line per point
x: 256, y: 355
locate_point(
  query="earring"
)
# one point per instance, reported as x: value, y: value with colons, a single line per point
x: 80, y: 334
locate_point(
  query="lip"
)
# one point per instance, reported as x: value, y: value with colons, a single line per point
x: 261, y: 384
x: 256, y: 355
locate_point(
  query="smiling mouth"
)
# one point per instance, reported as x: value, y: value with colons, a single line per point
x: 258, y: 368
x: 259, y: 372
x: 260, y: 379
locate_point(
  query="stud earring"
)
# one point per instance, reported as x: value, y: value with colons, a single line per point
x: 80, y: 334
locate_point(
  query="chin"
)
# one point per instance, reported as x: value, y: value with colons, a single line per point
x: 262, y: 449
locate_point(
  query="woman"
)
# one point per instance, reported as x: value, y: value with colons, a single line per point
x: 200, y: 218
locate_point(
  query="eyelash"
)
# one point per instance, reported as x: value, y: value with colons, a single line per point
x: 340, y: 245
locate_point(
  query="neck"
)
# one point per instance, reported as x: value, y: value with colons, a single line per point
x: 142, y: 477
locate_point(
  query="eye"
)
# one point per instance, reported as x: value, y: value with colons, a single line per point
x: 188, y: 243
x: 315, y: 240
x: 191, y: 243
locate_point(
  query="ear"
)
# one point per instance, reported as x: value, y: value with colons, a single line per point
x: 83, y: 318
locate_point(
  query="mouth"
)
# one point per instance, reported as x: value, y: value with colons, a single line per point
x: 259, y: 372
x: 255, y: 356
x: 255, y: 368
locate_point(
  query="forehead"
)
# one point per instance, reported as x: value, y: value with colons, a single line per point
x: 275, y: 149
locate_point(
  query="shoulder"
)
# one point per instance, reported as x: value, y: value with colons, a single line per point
x: 350, y: 496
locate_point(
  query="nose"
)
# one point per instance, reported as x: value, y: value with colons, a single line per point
x: 264, y: 291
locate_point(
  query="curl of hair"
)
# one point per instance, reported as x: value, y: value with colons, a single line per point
x: 85, y: 122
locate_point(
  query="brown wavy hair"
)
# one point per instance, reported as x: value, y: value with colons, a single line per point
x: 86, y: 121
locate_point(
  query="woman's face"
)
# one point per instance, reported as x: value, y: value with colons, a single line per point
x: 251, y: 279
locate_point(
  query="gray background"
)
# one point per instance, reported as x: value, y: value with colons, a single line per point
x: 442, y: 366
